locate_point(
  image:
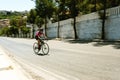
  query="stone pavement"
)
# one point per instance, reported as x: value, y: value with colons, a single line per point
x: 9, y: 70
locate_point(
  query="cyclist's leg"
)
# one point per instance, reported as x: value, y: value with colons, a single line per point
x: 38, y: 41
x: 41, y: 41
x: 39, y: 44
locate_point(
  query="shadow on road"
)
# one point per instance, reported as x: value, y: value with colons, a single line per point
x: 40, y: 54
x: 99, y: 43
x: 114, y: 44
x: 77, y: 41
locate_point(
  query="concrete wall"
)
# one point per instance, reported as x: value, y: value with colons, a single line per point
x: 89, y: 26
x: 66, y: 29
x: 113, y: 24
x: 89, y: 29
x: 52, y: 30
x: 113, y: 28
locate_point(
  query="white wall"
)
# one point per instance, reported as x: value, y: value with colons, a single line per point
x: 89, y: 29
x: 113, y: 27
x: 89, y: 26
x: 52, y: 30
x: 66, y: 29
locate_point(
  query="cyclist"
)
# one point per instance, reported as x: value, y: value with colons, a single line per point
x: 38, y: 36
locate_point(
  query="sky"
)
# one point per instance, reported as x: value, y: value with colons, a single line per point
x: 16, y: 5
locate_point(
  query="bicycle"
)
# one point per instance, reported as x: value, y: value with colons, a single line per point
x: 44, y: 47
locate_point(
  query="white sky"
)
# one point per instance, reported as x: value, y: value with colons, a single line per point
x: 16, y: 5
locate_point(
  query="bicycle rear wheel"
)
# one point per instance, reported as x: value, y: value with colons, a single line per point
x: 35, y: 48
x: 45, y: 48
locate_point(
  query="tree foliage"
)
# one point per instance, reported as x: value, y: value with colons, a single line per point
x: 31, y: 16
x: 44, y: 8
x: 17, y: 20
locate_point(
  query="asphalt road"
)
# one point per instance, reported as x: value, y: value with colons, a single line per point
x: 67, y: 60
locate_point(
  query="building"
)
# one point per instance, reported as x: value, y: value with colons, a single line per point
x: 4, y: 23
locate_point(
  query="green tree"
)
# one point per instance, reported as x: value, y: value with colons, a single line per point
x: 72, y: 6
x: 63, y: 10
x: 39, y: 21
x: 18, y: 22
x: 31, y: 17
x: 57, y: 12
x: 25, y: 31
x: 4, y: 31
x: 13, y: 31
x: 45, y: 10
x: 103, y: 19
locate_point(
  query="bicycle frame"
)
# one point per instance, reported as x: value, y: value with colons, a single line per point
x: 44, y: 47
x: 42, y: 41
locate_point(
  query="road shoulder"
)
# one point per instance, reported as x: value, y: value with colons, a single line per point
x: 10, y: 69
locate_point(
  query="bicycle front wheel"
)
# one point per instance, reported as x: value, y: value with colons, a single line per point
x: 45, y: 48
x: 35, y: 48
